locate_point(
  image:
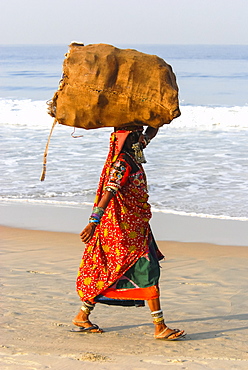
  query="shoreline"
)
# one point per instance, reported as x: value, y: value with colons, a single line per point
x: 165, y: 226
x: 203, y: 288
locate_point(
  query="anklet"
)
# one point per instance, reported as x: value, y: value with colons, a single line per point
x: 87, y: 307
x: 155, y: 313
x: 159, y: 321
x: 157, y: 317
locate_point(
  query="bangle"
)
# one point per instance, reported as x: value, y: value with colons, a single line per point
x: 99, y: 211
x: 111, y: 190
x: 96, y: 215
x: 94, y: 221
x: 147, y: 139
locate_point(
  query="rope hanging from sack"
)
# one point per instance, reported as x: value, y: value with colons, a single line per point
x: 43, y: 174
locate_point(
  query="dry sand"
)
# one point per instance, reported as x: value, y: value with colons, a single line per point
x: 203, y: 290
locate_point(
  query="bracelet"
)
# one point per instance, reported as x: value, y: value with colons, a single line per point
x: 94, y: 221
x: 99, y: 211
x: 147, y: 139
x: 96, y: 215
x: 111, y: 190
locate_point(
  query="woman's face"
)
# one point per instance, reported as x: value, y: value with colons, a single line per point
x: 132, y: 138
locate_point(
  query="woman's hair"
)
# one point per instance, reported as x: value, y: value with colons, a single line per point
x: 134, y: 136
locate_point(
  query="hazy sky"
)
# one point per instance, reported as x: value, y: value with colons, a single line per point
x: 124, y: 21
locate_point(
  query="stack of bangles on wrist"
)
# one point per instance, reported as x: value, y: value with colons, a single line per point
x: 96, y: 215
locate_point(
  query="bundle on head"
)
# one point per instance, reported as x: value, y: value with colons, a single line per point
x: 105, y: 86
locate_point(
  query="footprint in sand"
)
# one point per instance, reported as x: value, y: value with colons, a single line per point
x: 158, y: 362
x: 94, y: 357
x: 208, y: 284
x: 42, y: 272
x: 20, y: 364
x: 36, y: 272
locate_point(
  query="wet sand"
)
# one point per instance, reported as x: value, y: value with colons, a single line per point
x: 165, y: 226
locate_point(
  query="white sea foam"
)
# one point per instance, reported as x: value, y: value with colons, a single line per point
x: 201, y: 215
x: 198, y: 164
x: 71, y: 204
x: 34, y: 115
x: 203, y: 117
x: 24, y: 113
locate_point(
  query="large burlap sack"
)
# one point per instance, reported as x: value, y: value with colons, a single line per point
x: 106, y: 86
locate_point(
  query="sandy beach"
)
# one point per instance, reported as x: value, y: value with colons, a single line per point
x: 203, y: 291
x: 180, y: 67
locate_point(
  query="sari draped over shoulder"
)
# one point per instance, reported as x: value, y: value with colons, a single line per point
x: 112, y: 264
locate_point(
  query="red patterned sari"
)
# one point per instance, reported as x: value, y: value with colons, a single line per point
x: 121, y: 259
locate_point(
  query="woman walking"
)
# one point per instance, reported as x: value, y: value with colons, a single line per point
x: 120, y: 264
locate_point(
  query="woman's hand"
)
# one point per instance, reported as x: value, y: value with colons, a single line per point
x: 88, y: 232
x: 143, y: 141
x: 145, y: 138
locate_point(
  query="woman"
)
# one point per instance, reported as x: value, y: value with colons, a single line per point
x: 120, y: 263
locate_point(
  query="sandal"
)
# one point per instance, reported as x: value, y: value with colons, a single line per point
x: 81, y: 329
x: 167, y: 337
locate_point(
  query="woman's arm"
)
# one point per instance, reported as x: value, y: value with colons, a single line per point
x: 149, y: 134
x: 89, y: 230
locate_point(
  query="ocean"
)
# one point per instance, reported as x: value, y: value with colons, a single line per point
x: 197, y: 165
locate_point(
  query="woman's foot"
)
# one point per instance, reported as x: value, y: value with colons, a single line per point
x: 82, y: 321
x: 163, y: 332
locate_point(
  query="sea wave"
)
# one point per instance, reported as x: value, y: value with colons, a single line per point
x: 26, y: 112
x: 33, y: 114
x: 196, y: 164
x: 74, y: 204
